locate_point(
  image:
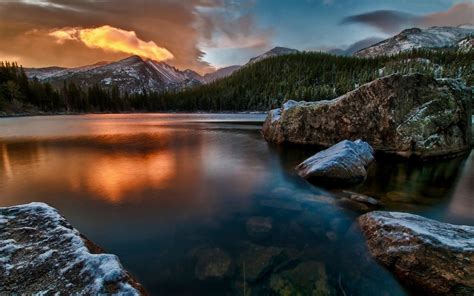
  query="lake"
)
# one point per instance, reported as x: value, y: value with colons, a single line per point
x: 182, y: 197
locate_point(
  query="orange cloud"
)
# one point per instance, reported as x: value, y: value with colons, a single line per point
x: 113, y: 39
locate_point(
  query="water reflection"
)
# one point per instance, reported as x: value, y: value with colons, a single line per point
x: 156, y: 189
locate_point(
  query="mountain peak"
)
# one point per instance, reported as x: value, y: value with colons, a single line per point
x: 276, y: 51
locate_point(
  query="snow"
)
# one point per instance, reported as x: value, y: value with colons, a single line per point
x: 459, y: 237
x: 57, y: 243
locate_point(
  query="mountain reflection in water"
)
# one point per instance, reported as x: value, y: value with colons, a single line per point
x: 157, y: 188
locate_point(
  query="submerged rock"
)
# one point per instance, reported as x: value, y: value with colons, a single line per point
x: 344, y: 163
x: 435, y: 257
x: 212, y: 263
x: 307, y: 278
x: 259, y: 227
x: 256, y: 261
x: 406, y: 115
x: 40, y: 252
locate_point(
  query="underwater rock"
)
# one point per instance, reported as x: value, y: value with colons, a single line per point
x: 259, y: 227
x: 256, y: 261
x: 212, y: 263
x: 307, y: 278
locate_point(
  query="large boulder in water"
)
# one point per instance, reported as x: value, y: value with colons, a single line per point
x: 344, y: 163
x: 407, y: 115
x: 41, y: 253
x: 434, y: 257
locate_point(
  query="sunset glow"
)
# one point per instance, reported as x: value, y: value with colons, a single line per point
x: 113, y: 39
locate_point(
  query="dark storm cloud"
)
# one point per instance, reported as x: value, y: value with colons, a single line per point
x: 387, y: 21
x: 174, y: 25
x: 392, y: 21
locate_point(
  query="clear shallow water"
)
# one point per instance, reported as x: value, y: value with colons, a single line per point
x: 157, y: 189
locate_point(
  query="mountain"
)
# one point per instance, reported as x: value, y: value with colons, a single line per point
x: 434, y: 37
x: 134, y: 74
x: 276, y: 51
x: 219, y: 74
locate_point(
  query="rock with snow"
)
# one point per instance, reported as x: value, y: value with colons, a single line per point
x: 344, y: 163
x: 408, y: 115
x: 434, y: 257
x: 409, y: 39
x: 41, y: 253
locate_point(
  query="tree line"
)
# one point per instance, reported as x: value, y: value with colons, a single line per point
x: 261, y: 86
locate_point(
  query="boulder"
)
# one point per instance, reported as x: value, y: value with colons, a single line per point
x: 409, y: 115
x: 431, y: 256
x: 343, y: 163
x: 41, y: 253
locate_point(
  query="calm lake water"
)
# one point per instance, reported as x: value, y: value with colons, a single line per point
x: 172, y: 193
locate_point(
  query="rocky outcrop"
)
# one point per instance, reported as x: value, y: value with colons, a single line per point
x: 41, y: 253
x: 344, y: 163
x: 435, y: 257
x: 410, y: 115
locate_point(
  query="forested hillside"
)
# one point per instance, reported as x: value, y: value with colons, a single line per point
x: 259, y: 86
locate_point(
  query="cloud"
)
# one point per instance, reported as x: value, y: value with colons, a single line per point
x: 113, y: 39
x: 173, y: 25
x: 387, y: 21
x: 393, y: 21
x: 460, y: 14
x: 356, y: 46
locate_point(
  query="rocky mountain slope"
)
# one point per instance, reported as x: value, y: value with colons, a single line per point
x: 135, y: 74
x: 434, y: 37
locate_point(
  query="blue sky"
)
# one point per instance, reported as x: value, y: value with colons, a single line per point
x: 316, y: 24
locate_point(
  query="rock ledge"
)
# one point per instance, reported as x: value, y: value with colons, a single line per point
x: 41, y: 253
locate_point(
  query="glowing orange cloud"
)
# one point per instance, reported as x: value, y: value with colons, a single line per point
x: 113, y: 39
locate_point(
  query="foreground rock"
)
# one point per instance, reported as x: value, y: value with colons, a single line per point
x: 40, y: 252
x: 435, y: 257
x: 343, y: 163
x: 405, y: 115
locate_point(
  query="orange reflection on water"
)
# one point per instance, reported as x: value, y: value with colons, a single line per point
x: 113, y: 177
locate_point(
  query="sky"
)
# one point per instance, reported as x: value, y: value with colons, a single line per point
x: 205, y: 34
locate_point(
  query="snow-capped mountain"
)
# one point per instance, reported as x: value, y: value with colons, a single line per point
x: 135, y: 74
x: 132, y: 74
x: 434, y: 37
x: 276, y: 51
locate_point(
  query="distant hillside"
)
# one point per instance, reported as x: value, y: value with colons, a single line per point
x: 311, y: 76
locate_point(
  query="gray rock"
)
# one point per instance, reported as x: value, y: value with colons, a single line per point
x: 212, y: 263
x: 40, y: 252
x: 259, y: 227
x: 410, y: 115
x: 361, y: 198
x: 434, y: 257
x: 343, y: 163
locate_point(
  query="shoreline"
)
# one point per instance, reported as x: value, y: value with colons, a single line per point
x: 34, y: 114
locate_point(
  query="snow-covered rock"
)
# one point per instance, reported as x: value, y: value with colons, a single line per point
x: 344, y: 163
x: 434, y: 257
x: 40, y: 252
x: 434, y: 37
